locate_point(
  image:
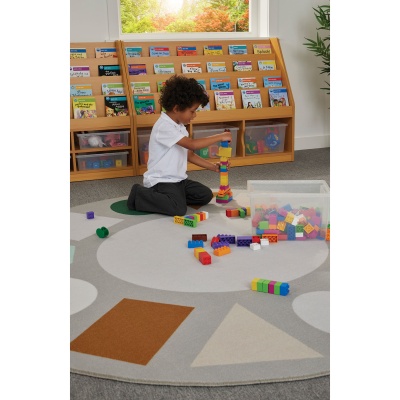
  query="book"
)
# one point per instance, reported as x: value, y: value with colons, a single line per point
x: 247, y: 83
x: 164, y: 68
x: 237, y: 49
x: 186, y: 51
x: 262, y: 48
x: 266, y: 65
x: 156, y: 51
x: 225, y: 100
x: 251, y: 98
x: 112, y: 88
x: 140, y: 87
x: 160, y: 85
x: 81, y: 90
x: 216, y: 66
x: 272, y: 81
x: 79, y: 71
x: 222, y: 83
x: 191, y: 68
x: 116, y: 106
x: 207, y: 106
x: 105, y: 52
x: 133, y: 51
x: 84, y: 107
x: 77, y: 53
x: 214, y: 50
x: 242, y: 66
x: 109, y: 70
x: 278, y: 97
x: 137, y: 69
x: 144, y: 104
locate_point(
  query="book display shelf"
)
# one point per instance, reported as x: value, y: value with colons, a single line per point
x: 249, y: 124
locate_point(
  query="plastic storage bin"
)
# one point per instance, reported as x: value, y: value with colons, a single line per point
x: 102, y: 160
x: 264, y: 137
x: 143, y: 145
x: 293, y: 210
x: 103, y: 139
x: 200, y: 131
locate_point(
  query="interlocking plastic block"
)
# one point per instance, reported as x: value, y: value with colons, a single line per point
x: 273, y: 219
x: 102, y: 232
x: 204, y: 258
x: 243, y: 241
x: 328, y: 234
x: 270, y: 286
x: 178, y: 220
x: 190, y: 222
x: 89, y: 214
x: 264, y: 242
x: 242, y: 213
x: 299, y: 234
x: 227, y: 238
x: 232, y: 212
x: 224, y: 152
x: 291, y: 232
x: 217, y: 245
x: 225, y: 143
x: 214, y: 240
x: 255, y: 239
x: 299, y: 228
x: 255, y: 246
x: 272, y: 237
x: 289, y: 217
x: 200, y: 236
x: 254, y: 283
x: 281, y: 226
x: 197, y: 251
x: 308, y: 228
x: 195, y: 243
x: 263, y: 225
x: 282, y: 237
x: 222, y: 251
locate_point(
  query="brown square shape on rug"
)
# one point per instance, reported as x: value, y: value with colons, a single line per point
x: 132, y: 331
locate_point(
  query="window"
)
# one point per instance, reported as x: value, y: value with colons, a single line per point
x: 191, y: 19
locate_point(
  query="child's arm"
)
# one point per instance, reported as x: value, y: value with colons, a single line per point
x: 201, y: 162
x: 196, y: 144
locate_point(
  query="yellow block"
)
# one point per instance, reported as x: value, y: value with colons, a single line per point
x: 254, y: 283
x: 225, y: 152
x: 197, y: 251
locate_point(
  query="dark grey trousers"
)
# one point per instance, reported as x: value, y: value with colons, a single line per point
x: 169, y: 198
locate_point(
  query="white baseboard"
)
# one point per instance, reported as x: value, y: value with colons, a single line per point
x: 311, y: 142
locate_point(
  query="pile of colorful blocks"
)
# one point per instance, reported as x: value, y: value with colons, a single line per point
x: 238, y: 212
x: 191, y: 220
x: 268, y: 286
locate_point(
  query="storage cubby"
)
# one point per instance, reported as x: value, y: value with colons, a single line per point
x: 137, y: 124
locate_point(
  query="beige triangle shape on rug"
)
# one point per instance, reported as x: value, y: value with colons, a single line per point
x: 243, y: 337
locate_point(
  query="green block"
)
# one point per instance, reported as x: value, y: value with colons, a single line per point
x: 190, y: 222
x: 299, y: 228
x: 242, y: 213
x: 277, y: 288
x: 260, y: 285
x: 263, y: 225
x: 265, y: 285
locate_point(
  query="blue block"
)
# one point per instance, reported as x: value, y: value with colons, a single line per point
x: 284, y: 289
x: 224, y: 143
x: 195, y: 243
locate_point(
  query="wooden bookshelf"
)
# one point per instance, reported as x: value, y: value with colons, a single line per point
x: 137, y: 124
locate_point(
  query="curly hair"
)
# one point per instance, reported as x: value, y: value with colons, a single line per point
x: 182, y: 92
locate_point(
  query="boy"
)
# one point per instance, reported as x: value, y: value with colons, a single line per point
x: 166, y: 188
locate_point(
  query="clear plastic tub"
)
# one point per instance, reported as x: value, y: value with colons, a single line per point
x: 102, y: 160
x: 264, y: 137
x: 103, y: 139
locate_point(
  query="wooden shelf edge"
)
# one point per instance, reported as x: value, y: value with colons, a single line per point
x: 90, y: 175
x: 91, y: 124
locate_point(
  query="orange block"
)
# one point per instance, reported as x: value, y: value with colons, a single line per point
x: 221, y: 251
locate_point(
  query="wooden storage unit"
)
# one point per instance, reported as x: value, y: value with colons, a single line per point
x: 101, y: 123
x: 137, y: 123
x: 238, y: 117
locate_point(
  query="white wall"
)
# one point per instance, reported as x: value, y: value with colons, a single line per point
x: 290, y: 21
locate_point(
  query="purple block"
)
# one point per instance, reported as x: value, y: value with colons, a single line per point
x: 89, y: 214
x: 273, y: 219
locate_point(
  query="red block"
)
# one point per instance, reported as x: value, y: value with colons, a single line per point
x: 205, y: 258
x: 255, y: 239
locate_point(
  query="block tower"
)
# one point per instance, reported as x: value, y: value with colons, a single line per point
x: 225, y: 193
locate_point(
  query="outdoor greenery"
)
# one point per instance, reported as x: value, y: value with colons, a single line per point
x: 321, y: 46
x: 146, y: 16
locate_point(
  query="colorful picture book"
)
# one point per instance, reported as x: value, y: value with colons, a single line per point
x: 112, y: 88
x: 207, y: 106
x: 116, y: 106
x: 270, y: 81
x: 167, y: 68
x: 262, y: 48
x: 77, y: 53
x: 214, y: 50
x: 79, y: 71
x: 109, y: 70
x: 140, y: 87
x: 160, y: 85
x: 216, y: 66
x: 133, y: 51
x: 278, y: 97
x: 225, y: 100
x: 105, y: 52
x: 137, y: 69
x: 144, y: 104
x: 84, y: 107
x: 266, y: 65
x: 81, y: 90
x: 191, y: 68
x: 222, y: 83
x: 237, y: 49
x: 247, y: 83
x: 242, y: 66
x: 251, y: 98
x: 186, y: 51
x: 156, y: 51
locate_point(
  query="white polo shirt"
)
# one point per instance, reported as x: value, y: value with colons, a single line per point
x: 167, y: 160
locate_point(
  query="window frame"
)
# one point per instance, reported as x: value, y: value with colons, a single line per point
x: 259, y: 27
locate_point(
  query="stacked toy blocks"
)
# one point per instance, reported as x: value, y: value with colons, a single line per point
x: 202, y: 255
x: 191, y: 220
x: 287, y: 223
x: 225, y: 193
x: 238, y: 212
x: 268, y: 286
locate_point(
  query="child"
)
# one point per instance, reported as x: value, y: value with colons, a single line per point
x: 166, y: 188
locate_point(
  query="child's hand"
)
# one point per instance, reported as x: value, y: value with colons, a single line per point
x: 226, y: 136
x: 217, y: 166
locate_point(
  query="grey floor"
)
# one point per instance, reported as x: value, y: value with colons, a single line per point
x: 309, y: 164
